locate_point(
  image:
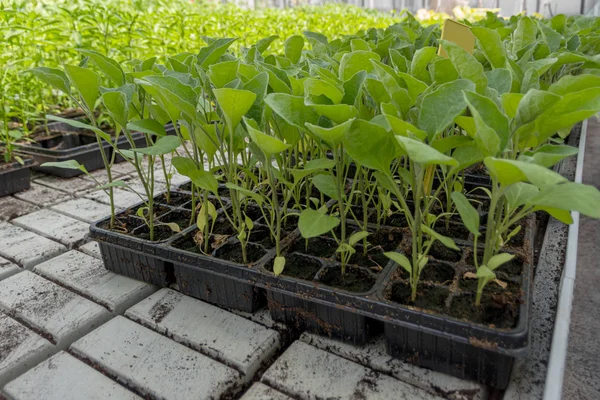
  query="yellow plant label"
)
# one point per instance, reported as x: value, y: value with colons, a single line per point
x: 458, y: 33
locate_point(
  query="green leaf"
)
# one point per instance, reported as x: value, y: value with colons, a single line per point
x: 370, y: 145
x: 440, y: 107
x: 221, y: 74
x: 164, y: 145
x: 421, y: 59
x: 81, y: 125
x: 69, y: 164
x: 338, y: 113
x: 533, y: 104
x: 401, y: 260
x: 551, y: 37
x: 466, y: 64
x: 248, y: 193
x: 423, y: 154
x: 570, y: 196
x: 320, y: 87
x: 147, y: 126
x: 293, y: 48
x: 493, y: 130
x: 331, y: 136
x: 173, y: 96
x: 268, y: 144
x: 173, y: 226
x: 278, y: 265
x: 499, y: 79
x: 109, y: 67
x: 445, y: 240
x: 353, y: 86
x: 511, y: 171
x: 519, y: 193
x: 548, y: 155
x: 292, y: 109
x: 524, y: 35
x: 357, y: 237
x: 491, y: 44
x: 234, y: 104
x: 210, y: 54
x: 485, y: 273
x: 356, y: 61
x: 467, y: 212
x: 499, y: 259
x: 327, y: 185
x: 315, y: 223
x: 569, y: 84
x: 510, y: 103
x: 53, y: 77
x: 117, y: 106
x: 203, y: 215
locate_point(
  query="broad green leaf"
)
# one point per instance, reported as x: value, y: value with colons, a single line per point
x: 222, y: 73
x: 466, y: 64
x: 524, y: 35
x: 499, y: 259
x: 174, y: 96
x: 401, y: 260
x: 491, y: 44
x: 510, y: 103
x: 278, y: 265
x: 319, y: 164
x: 257, y: 85
x: 570, y: 196
x: 210, y: 54
x: 69, y: 164
x: 492, y: 125
x: 403, y: 128
x: 109, y: 67
x: 370, y: 145
x: 320, y: 87
x: 117, y: 106
x: 315, y: 223
x: 548, y: 155
x: 531, y: 81
x: 533, y: 104
x: 357, y: 237
x: 511, y: 171
x: 268, y: 144
x: 338, y: 113
x: 293, y: 48
x: 245, y: 192
x: 377, y: 91
x: 442, y: 71
x: 53, y: 77
x: 263, y: 44
x: 423, y: 154
x: 147, y: 126
x: 414, y: 86
x: 420, y: 61
x: 292, y: 109
x: 569, y: 84
x: 234, y: 104
x: 551, y: 37
x: 327, y: 185
x: 499, y: 79
x: 467, y: 212
x: 331, y: 136
x: 440, y: 107
x: 356, y: 61
x: 445, y: 240
x: 519, y: 193
x: 164, y: 145
x: 352, y: 87
x: 318, y: 37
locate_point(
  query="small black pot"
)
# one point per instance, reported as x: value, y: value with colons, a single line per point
x: 14, y: 177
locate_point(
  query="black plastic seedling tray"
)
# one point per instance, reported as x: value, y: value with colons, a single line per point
x: 14, y: 177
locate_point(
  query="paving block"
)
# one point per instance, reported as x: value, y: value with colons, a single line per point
x: 91, y: 249
x: 123, y: 198
x: 231, y: 339
x: 7, y: 268
x: 155, y: 365
x: 55, y: 226
x: 86, y: 275
x: 260, y: 391
x: 123, y: 168
x: 69, y: 185
x: 49, y: 308
x: 20, y: 349
x: 306, y: 372
x: 85, y: 210
x: 26, y: 248
x: 176, y: 177
x: 12, y: 208
x: 42, y: 196
x: 64, y: 377
x: 100, y: 176
x: 374, y: 355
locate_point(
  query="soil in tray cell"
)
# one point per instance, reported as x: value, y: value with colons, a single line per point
x: 176, y: 199
x: 513, y: 268
x: 317, y: 247
x: 499, y: 309
x: 299, y: 266
x: 374, y: 258
x: 441, y: 252
x: 385, y: 239
x: 437, y: 272
x: 128, y: 221
x: 454, y: 231
x: 429, y: 297
x: 180, y: 217
x: 355, y: 279
x: 161, y: 232
x: 261, y: 234
x: 232, y: 251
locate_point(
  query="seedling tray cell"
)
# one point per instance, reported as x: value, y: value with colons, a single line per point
x: 14, y: 177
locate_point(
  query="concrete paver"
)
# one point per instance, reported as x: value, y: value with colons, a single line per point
x: 85, y: 210
x: 26, y: 248
x: 66, y: 230
x: 7, y: 268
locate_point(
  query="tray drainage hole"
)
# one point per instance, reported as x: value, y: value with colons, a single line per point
x: 170, y: 273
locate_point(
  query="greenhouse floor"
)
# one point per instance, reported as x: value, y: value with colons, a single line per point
x: 69, y: 329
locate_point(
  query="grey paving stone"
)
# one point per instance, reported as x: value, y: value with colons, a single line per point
x: 260, y: 391
x: 42, y: 196
x: 69, y: 185
x: 64, y: 377
x: 26, y: 248
x: 91, y: 249
x: 306, y: 372
x: 122, y: 198
x: 123, y: 168
x: 20, y: 349
x: 101, y: 176
x: 374, y: 355
x: 7, y: 268
x: 85, y: 210
x: 49, y: 308
x: 176, y: 178
x: 12, y: 208
x: 231, y: 339
x: 155, y: 365
x: 55, y: 226
x: 86, y: 275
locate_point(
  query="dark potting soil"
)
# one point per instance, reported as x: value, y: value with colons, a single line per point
x: 453, y: 231
x: 159, y: 210
x: 437, y: 272
x: 232, y: 251
x: 176, y: 199
x: 222, y: 227
x: 386, y: 239
x: 180, y: 217
x: 262, y: 235
x: 499, y: 310
x: 441, y: 252
x: 428, y: 297
x: 397, y: 220
x: 299, y: 266
x: 161, y: 232
x: 318, y: 247
x: 253, y: 212
x: 513, y: 268
x: 470, y: 284
x: 355, y: 279
x: 374, y: 258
